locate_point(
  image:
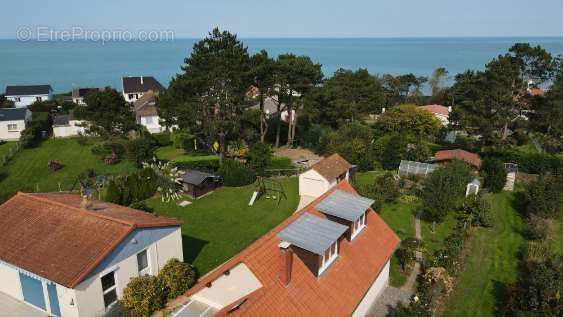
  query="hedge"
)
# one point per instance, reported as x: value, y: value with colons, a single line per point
x: 533, y: 163
x: 202, y: 163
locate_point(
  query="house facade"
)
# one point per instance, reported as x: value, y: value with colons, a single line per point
x: 23, y: 96
x: 77, y: 256
x: 324, y: 175
x: 135, y: 87
x: 12, y: 122
x: 146, y: 113
x: 66, y: 125
x: 330, y: 258
x: 78, y: 94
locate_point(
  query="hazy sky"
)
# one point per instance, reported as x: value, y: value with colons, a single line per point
x: 293, y: 18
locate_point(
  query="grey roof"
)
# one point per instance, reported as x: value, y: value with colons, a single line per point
x: 28, y: 90
x: 344, y: 205
x: 12, y: 114
x: 195, y: 177
x: 312, y: 233
x: 141, y: 84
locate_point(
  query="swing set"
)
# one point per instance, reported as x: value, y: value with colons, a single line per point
x: 273, y: 189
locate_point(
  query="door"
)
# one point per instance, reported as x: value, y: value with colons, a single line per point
x: 54, y: 299
x: 32, y: 291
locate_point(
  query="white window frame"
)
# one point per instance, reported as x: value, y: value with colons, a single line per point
x: 14, y: 126
x: 333, y: 254
x: 113, y: 288
x: 38, y: 99
x: 17, y: 99
x: 147, y: 270
x: 358, y: 225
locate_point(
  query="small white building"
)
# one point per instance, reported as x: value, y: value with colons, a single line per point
x: 146, y: 113
x: 12, y: 122
x: 23, y: 96
x: 441, y: 113
x: 135, y: 87
x: 66, y: 125
x: 78, y: 94
x: 323, y: 176
x: 68, y: 256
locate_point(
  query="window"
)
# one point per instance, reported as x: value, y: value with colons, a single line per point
x: 12, y: 127
x: 328, y: 257
x: 17, y: 99
x: 131, y: 96
x: 358, y: 225
x: 109, y: 289
x: 143, y: 262
x: 38, y: 99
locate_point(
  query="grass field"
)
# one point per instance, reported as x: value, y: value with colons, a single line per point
x: 491, y: 262
x: 171, y: 153
x: 6, y: 147
x: 28, y: 170
x: 218, y: 226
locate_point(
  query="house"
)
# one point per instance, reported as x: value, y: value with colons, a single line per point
x: 271, y: 109
x: 70, y: 256
x: 446, y: 156
x: 441, y: 113
x: 12, y: 122
x: 135, y: 87
x: 66, y: 125
x: 23, y: 96
x: 78, y: 94
x: 146, y: 113
x: 330, y: 258
x: 197, y: 184
x: 323, y: 175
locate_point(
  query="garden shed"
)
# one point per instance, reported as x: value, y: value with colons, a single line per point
x: 197, y: 183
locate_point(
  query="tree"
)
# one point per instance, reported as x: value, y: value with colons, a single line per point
x: 107, y: 112
x: 444, y: 189
x: 259, y: 156
x: 353, y: 141
x: 263, y: 78
x: 395, y: 151
x: 536, y: 64
x: 5, y: 103
x: 544, y: 197
x: 295, y: 76
x: 436, y: 81
x: 548, y: 115
x: 494, y: 174
x: 408, y: 120
x: 384, y: 189
x: 209, y: 96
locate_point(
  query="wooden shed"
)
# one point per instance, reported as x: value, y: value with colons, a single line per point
x: 197, y: 183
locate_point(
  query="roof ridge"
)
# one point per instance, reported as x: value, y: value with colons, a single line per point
x: 91, y: 213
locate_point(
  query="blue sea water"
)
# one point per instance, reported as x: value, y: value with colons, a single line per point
x: 96, y: 64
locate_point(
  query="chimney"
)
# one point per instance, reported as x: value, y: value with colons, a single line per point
x: 286, y: 263
x: 86, y: 202
x: 141, y: 80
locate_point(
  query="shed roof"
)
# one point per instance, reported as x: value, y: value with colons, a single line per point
x: 332, y: 166
x: 50, y: 235
x: 312, y: 233
x: 345, y: 205
x: 12, y: 114
x: 195, y: 177
x: 28, y: 90
x: 468, y: 157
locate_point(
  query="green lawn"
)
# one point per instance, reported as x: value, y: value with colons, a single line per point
x: 218, y: 226
x: 171, y: 153
x: 491, y: 262
x: 28, y: 170
x: 5, y: 148
x: 558, y: 235
x: 434, y: 235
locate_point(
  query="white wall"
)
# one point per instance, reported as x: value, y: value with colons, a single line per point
x: 313, y: 184
x: 28, y: 100
x: 152, y: 123
x: 73, y: 129
x: 11, y: 135
x: 10, y: 281
x: 374, y: 291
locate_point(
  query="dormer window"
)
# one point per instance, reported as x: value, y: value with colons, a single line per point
x: 328, y: 257
x: 358, y: 225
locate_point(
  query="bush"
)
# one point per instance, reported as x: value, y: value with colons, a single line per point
x: 113, y: 193
x: 183, y: 140
x: 54, y: 165
x: 177, y: 277
x: 141, y: 150
x: 107, y: 148
x: 533, y: 163
x: 383, y: 190
x: 494, y: 174
x: 353, y: 142
x: 259, y: 156
x: 235, y: 174
x: 29, y: 137
x: 394, y: 152
x: 163, y: 139
x: 127, y: 190
x: 544, y: 197
x: 538, y: 228
x: 143, y: 296
x: 210, y: 164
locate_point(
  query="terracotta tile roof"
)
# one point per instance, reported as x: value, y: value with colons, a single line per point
x: 337, y: 292
x: 437, y: 109
x: 51, y: 236
x: 536, y: 92
x: 332, y: 166
x: 459, y: 154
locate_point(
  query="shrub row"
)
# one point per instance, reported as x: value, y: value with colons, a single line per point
x: 534, y: 163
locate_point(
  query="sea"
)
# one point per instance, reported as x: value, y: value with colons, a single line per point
x: 68, y: 64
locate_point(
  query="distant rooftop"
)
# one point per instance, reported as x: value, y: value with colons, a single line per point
x: 28, y: 90
x: 141, y: 84
x: 12, y: 114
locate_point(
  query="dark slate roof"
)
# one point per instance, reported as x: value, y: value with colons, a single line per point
x: 312, y: 233
x: 344, y: 205
x: 82, y: 92
x: 195, y: 177
x: 12, y: 114
x: 28, y: 90
x: 133, y: 84
x: 63, y: 119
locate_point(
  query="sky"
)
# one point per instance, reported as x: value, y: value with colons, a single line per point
x: 292, y: 18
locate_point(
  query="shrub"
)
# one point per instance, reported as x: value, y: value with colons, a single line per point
x: 111, y: 159
x: 141, y: 150
x: 259, y: 156
x: 177, y: 277
x: 544, y: 197
x: 54, y: 165
x: 163, y: 139
x: 29, y: 137
x: 537, y: 227
x: 183, y: 140
x: 113, y: 194
x: 394, y: 152
x: 494, y: 174
x: 383, y: 190
x: 207, y: 163
x: 143, y: 296
x: 353, y: 142
x: 107, y: 148
x: 235, y: 174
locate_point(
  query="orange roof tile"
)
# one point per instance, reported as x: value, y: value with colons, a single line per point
x: 337, y: 292
x: 51, y: 236
x: 332, y: 166
x: 459, y: 154
x: 437, y: 109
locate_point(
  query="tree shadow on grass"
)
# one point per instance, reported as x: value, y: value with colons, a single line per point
x: 191, y: 247
x: 499, y: 292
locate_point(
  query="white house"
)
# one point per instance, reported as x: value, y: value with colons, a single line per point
x: 78, y: 94
x: 23, y: 96
x: 324, y: 175
x: 146, y: 113
x: 66, y: 125
x: 12, y: 122
x: 135, y: 87
x: 441, y: 113
x: 70, y: 256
